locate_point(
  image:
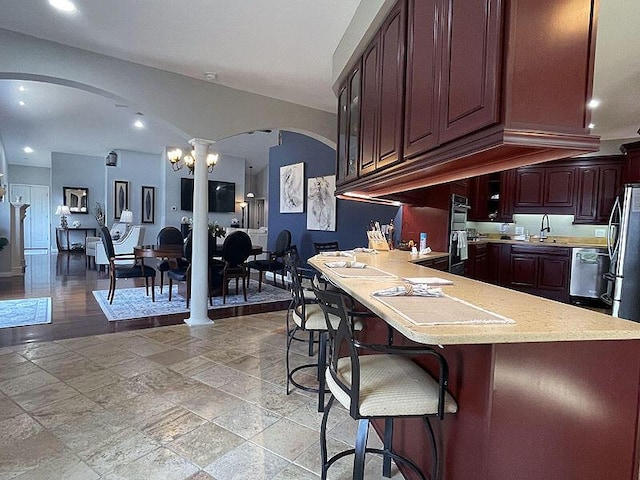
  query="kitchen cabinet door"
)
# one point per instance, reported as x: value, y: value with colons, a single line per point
x: 524, y: 271
x: 470, y: 67
x: 478, y: 188
x: 422, y: 80
x: 343, y: 134
x: 609, y: 186
x: 558, y: 187
x: 529, y: 189
x: 553, y: 273
x: 370, y: 108
x: 348, y: 148
x: 587, y: 199
x: 392, y: 64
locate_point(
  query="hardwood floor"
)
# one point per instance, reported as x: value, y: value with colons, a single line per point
x: 75, y: 313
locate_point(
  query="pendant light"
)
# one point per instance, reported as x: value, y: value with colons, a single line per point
x: 250, y: 192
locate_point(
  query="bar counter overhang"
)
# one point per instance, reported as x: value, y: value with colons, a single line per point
x: 554, y: 396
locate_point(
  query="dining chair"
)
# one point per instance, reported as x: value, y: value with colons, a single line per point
x: 384, y: 383
x: 275, y: 260
x: 235, y: 251
x: 169, y: 236
x: 136, y: 269
x: 183, y: 271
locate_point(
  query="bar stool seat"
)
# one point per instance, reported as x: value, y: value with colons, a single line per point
x: 390, y: 386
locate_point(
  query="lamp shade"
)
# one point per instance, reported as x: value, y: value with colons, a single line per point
x: 126, y: 216
x: 63, y: 210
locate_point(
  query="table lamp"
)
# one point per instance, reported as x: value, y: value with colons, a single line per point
x: 126, y: 216
x: 63, y: 211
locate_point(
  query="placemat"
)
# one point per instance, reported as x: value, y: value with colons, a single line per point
x: 368, y: 272
x: 443, y: 310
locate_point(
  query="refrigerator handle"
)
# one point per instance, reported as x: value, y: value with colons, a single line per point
x: 610, y: 227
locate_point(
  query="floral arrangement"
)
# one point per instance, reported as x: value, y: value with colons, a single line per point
x: 3, y: 242
x: 216, y: 230
x: 98, y: 211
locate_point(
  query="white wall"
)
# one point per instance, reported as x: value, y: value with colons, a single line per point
x: 191, y: 107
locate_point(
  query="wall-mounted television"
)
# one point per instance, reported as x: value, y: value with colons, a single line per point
x: 222, y: 196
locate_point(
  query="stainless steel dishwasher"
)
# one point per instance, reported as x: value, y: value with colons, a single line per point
x: 588, y: 265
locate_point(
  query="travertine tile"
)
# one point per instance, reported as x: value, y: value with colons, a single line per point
x: 122, y: 448
x: 64, y: 466
x: 191, y: 366
x: 247, y: 461
x: 24, y: 383
x: 25, y: 454
x: 40, y: 349
x: 114, y: 394
x: 39, y: 397
x: 286, y: 438
x: 295, y: 472
x: 9, y: 408
x: 67, y: 366
x: 277, y: 401
x: 94, y: 380
x: 210, y: 404
x: 247, y: 420
x: 171, y: 424
x: 160, y: 463
x: 134, y: 367
x: 217, y: 375
x: 169, y: 357
x: 205, y: 444
x: 249, y: 364
x: 248, y: 388
x: 64, y: 411
x: 141, y: 409
x: 92, y: 428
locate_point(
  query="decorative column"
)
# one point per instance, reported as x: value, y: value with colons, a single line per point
x: 200, y: 236
x: 16, y: 240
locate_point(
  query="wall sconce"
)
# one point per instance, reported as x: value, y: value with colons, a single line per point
x: 63, y: 211
x: 178, y: 162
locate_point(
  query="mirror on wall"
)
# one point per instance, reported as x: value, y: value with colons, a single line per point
x: 76, y: 198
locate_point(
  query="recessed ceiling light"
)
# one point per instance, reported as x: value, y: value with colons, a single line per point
x: 211, y: 76
x: 63, y: 5
x: 593, y: 103
x: 138, y: 124
x: 21, y: 88
x: 27, y: 149
x: 592, y: 125
x: 22, y: 103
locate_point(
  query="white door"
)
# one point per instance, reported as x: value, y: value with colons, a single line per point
x: 36, y: 223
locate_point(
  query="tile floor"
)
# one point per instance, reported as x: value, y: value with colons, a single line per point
x: 166, y: 403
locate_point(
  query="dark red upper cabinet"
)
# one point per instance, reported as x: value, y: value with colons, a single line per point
x: 489, y: 85
x: 471, y: 66
x: 383, y: 65
x: 370, y: 108
x: 392, y: 66
x: 348, y: 147
x: 423, y: 73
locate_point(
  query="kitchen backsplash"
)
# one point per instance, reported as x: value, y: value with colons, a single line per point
x: 561, y: 225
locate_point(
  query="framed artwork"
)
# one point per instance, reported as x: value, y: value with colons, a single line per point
x: 292, y: 188
x: 120, y: 198
x: 76, y: 198
x: 321, y: 203
x: 148, y: 204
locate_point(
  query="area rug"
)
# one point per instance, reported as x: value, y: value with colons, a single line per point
x: 131, y: 303
x: 25, y: 311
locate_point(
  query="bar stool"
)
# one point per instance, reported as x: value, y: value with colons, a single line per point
x: 383, y: 384
x: 307, y: 317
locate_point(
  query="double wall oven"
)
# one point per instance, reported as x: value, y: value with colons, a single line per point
x: 458, y: 234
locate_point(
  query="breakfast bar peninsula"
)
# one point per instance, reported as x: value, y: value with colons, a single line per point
x: 545, y: 390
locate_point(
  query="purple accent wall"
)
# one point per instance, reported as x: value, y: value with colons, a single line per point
x: 352, y: 217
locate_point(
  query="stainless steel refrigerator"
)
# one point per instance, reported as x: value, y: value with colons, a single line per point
x: 623, y: 243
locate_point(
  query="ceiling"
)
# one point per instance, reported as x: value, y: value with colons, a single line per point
x: 277, y: 48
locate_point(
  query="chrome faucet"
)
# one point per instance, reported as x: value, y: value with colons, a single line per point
x: 544, y: 230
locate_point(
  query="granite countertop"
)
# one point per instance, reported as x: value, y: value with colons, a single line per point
x: 421, y: 258
x: 537, y: 319
x: 549, y: 242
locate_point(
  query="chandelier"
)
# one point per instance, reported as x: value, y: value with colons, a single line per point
x: 178, y: 162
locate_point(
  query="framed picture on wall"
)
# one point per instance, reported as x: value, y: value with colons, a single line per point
x: 321, y: 203
x: 120, y: 198
x: 292, y: 188
x: 148, y: 204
